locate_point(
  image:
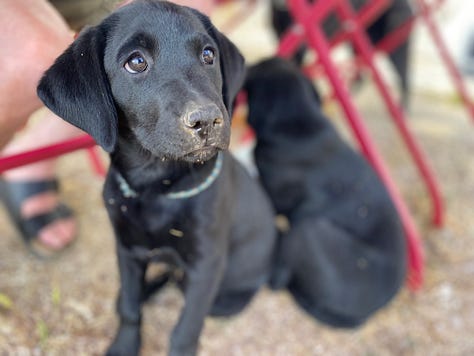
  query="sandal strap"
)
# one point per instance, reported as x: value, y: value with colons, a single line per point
x: 12, y: 194
x: 32, y: 225
x: 21, y: 190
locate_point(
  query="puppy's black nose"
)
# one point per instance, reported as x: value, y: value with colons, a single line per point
x: 204, y: 118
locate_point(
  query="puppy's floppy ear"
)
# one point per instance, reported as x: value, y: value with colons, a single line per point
x: 76, y: 88
x: 232, y: 67
x: 232, y: 63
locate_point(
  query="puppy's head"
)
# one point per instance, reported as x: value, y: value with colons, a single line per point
x: 281, y: 100
x: 153, y: 72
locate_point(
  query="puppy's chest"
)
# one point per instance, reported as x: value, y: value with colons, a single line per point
x: 153, y: 222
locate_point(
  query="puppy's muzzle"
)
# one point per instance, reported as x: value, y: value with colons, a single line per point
x: 204, y: 119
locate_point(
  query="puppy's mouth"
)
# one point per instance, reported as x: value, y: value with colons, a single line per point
x: 201, y: 154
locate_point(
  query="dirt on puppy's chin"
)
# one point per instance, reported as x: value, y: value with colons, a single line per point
x: 201, y: 155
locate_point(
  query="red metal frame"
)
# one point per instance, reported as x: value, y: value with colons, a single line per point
x: 350, y: 20
x: 387, y: 45
x: 425, y: 13
x: 51, y: 151
x: 308, y: 18
x: 365, y: 16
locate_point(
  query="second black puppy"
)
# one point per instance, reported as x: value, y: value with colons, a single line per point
x: 344, y: 254
x: 154, y: 84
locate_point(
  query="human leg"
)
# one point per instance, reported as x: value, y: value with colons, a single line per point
x: 33, y: 34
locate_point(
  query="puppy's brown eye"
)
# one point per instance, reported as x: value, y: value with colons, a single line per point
x: 208, y: 56
x: 136, y: 64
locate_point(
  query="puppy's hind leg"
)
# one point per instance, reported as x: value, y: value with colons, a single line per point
x: 341, y: 278
x: 231, y: 303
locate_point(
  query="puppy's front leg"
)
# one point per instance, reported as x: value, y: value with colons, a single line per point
x: 132, y: 280
x: 202, y: 284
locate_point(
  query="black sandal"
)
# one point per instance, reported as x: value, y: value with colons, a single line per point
x: 13, y: 194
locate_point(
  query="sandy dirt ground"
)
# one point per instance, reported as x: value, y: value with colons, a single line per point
x: 66, y: 306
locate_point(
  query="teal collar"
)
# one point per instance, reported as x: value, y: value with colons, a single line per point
x: 128, y: 192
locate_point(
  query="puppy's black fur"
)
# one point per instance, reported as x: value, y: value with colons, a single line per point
x: 154, y: 84
x: 343, y: 256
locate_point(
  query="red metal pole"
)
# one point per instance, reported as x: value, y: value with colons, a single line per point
x: 96, y: 161
x: 290, y: 41
x: 365, y: 17
x: 362, y: 43
x: 445, y: 56
x: 395, y: 38
x: 21, y: 159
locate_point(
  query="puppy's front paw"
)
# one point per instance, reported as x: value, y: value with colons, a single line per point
x: 182, y: 348
x: 127, y: 342
x: 189, y: 351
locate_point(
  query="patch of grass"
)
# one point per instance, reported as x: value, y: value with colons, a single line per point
x: 42, y: 331
x: 5, y: 302
x: 56, y: 295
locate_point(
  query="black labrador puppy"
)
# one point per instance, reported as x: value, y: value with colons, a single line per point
x: 154, y: 84
x: 343, y: 256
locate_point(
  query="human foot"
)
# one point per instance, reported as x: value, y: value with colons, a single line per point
x: 46, y: 225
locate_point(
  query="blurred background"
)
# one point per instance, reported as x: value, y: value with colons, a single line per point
x: 66, y: 306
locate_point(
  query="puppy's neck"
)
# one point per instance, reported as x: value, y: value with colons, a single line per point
x: 145, y: 174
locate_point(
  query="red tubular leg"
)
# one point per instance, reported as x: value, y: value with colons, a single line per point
x: 96, y: 161
x: 363, y: 46
x: 290, y: 42
x: 445, y: 56
x: 21, y: 159
x: 394, y: 39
